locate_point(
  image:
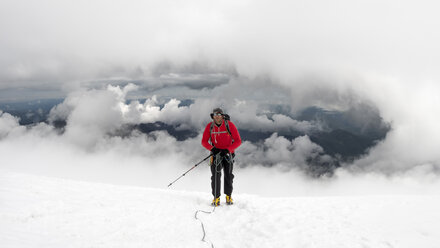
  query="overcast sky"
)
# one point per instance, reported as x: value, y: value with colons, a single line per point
x: 47, y: 43
x: 237, y: 54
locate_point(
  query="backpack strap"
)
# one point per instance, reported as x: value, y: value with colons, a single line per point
x: 210, y: 132
x: 227, y: 127
x: 227, y: 118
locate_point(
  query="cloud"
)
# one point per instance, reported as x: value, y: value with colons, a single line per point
x: 104, y: 112
x: 96, y: 118
x: 287, y: 154
x: 91, y: 149
x: 109, y: 106
x: 121, y: 40
x: 156, y: 159
x: 9, y: 124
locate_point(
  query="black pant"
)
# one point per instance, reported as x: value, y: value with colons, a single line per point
x: 218, y: 163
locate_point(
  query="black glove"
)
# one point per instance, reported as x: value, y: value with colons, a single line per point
x: 224, y: 152
x: 215, y: 150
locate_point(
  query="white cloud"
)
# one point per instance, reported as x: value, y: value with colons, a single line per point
x: 283, y: 154
x: 86, y: 152
x: 112, y: 102
x: 157, y: 159
x: 97, y: 40
x: 99, y: 113
x: 9, y: 125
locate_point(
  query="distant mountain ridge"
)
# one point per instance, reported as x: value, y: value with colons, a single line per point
x: 30, y: 112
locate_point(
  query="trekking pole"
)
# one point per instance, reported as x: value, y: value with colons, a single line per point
x: 189, y: 170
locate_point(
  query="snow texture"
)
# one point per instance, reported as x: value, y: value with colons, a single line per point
x: 38, y: 211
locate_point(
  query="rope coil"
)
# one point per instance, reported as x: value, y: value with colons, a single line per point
x: 217, y: 161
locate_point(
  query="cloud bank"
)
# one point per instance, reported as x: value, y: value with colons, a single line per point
x: 92, y: 148
x: 155, y: 159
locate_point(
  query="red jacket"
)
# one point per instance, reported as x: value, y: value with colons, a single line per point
x: 220, y: 137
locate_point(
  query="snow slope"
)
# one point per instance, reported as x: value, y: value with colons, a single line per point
x: 38, y: 211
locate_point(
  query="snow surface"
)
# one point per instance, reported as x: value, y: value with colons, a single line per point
x: 37, y: 211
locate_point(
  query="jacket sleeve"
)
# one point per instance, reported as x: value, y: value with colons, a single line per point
x: 235, y: 136
x: 206, y: 137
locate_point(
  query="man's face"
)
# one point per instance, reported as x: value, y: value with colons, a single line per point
x: 218, y: 118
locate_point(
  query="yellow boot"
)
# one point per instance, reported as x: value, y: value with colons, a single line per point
x: 216, y: 201
x: 229, y: 200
